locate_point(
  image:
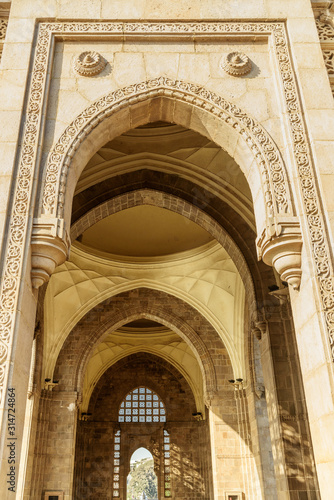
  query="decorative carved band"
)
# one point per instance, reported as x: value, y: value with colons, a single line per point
x: 265, y: 150
x: 3, y: 28
x: 325, y: 27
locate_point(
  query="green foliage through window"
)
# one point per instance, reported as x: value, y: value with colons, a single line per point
x: 142, y: 481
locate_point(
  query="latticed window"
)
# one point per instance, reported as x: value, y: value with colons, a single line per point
x: 142, y: 405
x: 167, y: 467
x: 117, y: 456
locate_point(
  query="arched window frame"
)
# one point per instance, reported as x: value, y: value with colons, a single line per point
x: 142, y: 405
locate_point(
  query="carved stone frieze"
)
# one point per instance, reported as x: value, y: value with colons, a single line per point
x: 325, y: 27
x: 89, y: 63
x: 237, y: 64
x: 273, y: 172
x: 3, y: 28
x: 292, y: 418
x: 325, y: 30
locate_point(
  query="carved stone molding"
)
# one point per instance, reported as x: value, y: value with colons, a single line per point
x: 89, y: 63
x: 3, y: 28
x: 283, y: 251
x: 49, y: 249
x: 324, y: 13
x: 237, y: 64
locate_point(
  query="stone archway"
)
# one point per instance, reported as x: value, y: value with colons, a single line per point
x: 188, y: 461
x: 156, y: 100
x: 164, y: 99
x: 141, y: 303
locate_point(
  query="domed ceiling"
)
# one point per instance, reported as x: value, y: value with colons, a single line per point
x: 145, y: 231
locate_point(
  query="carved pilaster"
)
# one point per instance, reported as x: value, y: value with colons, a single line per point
x: 280, y: 246
x: 49, y: 249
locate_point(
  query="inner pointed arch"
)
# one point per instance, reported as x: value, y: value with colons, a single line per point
x: 178, y: 102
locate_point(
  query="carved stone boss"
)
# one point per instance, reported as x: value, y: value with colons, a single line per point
x: 278, y: 209
x: 236, y: 64
x: 89, y: 63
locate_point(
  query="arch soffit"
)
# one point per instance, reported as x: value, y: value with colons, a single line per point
x: 129, y: 313
x: 186, y: 104
x: 175, y: 204
x: 197, y: 175
x: 86, y: 395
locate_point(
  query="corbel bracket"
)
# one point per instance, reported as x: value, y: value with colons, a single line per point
x: 49, y: 248
x: 280, y: 246
x: 259, y: 329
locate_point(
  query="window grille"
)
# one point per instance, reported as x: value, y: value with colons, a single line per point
x: 142, y: 405
x: 117, y: 456
x: 167, y: 469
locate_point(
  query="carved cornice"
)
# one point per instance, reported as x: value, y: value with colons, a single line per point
x: 18, y: 229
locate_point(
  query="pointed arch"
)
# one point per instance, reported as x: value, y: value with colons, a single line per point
x: 186, y: 104
x: 114, y: 318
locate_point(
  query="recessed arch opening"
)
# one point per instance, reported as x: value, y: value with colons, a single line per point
x: 177, y: 102
x: 151, y: 173
x: 142, y: 482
